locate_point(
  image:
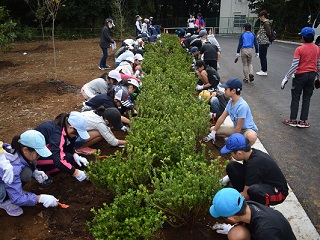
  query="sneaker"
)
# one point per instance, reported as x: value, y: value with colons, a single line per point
x: 245, y: 80
x: 262, y: 73
x: 290, y: 122
x: 107, y: 67
x: 86, y: 150
x: 102, y: 68
x: 303, y: 124
x: 12, y: 210
x: 251, y: 77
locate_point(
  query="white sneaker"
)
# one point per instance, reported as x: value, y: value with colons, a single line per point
x: 12, y: 210
x: 262, y: 73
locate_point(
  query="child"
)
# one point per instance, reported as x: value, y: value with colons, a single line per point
x: 239, y: 112
x: 246, y: 42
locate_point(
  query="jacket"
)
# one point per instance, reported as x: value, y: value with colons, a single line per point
x: 105, y: 39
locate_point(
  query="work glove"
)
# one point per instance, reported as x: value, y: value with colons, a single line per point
x: 257, y: 55
x: 224, y: 180
x: 125, y: 129
x: 222, y: 228
x: 199, y: 87
x: 81, y: 175
x: 113, y: 45
x: 238, y: 55
x: 284, y: 82
x: 211, y: 136
x: 317, y: 84
x: 6, y: 166
x: 80, y: 160
x: 48, y: 200
x: 40, y: 176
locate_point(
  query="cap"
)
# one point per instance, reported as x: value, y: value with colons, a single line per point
x: 113, y: 115
x: 150, y: 17
x: 247, y: 25
x: 233, y: 83
x: 128, y: 41
x: 193, y: 49
x: 234, y: 143
x: 133, y: 82
x: 130, y: 47
x: 35, y: 140
x: 199, y: 63
x: 115, y: 75
x: 203, y: 32
x: 146, y: 20
x: 79, y: 122
x: 130, y: 59
x: 138, y: 56
x: 144, y: 35
x: 227, y: 202
x: 110, y: 21
x: 307, y: 30
x: 204, y: 95
x: 188, y: 35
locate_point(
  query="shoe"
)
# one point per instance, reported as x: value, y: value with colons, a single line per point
x: 262, y: 73
x: 86, y: 150
x: 251, y: 77
x: 12, y: 210
x: 245, y: 80
x: 290, y: 122
x: 107, y: 67
x: 303, y: 124
x: 102, y: 68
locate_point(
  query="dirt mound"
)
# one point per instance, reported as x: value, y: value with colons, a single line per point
x: 6, y: 64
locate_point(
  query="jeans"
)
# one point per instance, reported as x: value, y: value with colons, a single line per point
x: 104, y: 58
x: 263, y: 48
x: 215, y: 107
x: 303, y: 82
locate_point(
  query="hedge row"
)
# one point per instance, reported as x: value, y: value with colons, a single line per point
x: 163, y: 173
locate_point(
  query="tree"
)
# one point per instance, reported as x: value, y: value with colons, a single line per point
x: 53, y: 7
x: 7, y: 33
x: 38, y: 8
x: 118, y: 14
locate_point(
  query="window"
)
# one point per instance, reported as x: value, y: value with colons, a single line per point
x: 241, y: 1
x: 239, y: 20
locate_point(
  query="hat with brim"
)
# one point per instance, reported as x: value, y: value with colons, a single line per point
x: 233, y: 83
x: 234, y: 143
x: 79, y: 122
x: 307, y: 31
x: 34, y: 139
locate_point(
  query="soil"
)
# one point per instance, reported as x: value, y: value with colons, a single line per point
x: 30, y: 96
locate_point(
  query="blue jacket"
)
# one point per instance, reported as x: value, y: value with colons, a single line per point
x: 248, y: 40
x: 14, y: 190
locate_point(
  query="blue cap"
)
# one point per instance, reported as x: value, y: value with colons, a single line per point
x: 233, y: 83
x: 307, y: 30
x: 193, y: 49
x: 227, y: 202
x: 144, y: 35
x: 79, y: 122
x: 34, y: 139
x: 234, y: 143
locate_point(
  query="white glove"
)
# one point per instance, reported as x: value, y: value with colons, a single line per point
x: 199, y: 87
x: 284, y: 82
x: 125, y: 129
x: 218, y: 66
x: 211, y: 136
x: 113, y: 45
x: 40, y: 176
x: 80, y: 160
x: 7, y: 168
x: 222, y: 228
x: 257, y: 55
x: 81, y: 176
x: 48, y: 200
x: 238, y: 55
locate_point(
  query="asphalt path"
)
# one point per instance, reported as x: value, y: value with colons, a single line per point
x: 296, y: 150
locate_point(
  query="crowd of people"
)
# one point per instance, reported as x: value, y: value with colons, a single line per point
x: 254, y: 180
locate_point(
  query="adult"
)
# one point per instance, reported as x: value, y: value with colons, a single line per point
x: 306, y: 68
x: 138, y: 25
x: 210, y: 54
x: 190, y: 24
x: 105, y: 41
x: 208, y: 76
x: 263, y: 35
x: 60, y: 135
x: 239, y: 112
x: 23, y: 153
x: 261, y: 222
x: 254, y: 173
x: 246, y: 42
x: 100, y: 85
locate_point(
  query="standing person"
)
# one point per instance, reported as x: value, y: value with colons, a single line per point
x: 23, y: 153
x: 259, y: 177
x: 239, y: 112
x: 246, y: 42
x: 144, y: 26
x: 306, y: 68
x: 60, y: 135
x: 190, y: 24
x: 208, y: 76
x: 105, y: 41
x: 263, y: 35
x: 261, y: 222
x: 199, y: 21
x: 138, y: 25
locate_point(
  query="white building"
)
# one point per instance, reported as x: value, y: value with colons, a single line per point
x: 233, y: 15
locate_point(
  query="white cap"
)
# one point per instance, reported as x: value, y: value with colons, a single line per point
x: 115, y: 75
x: 133, y: 82
x: 128, y: 41
x: 130, y: 47
x: 80, y: 123
x: 138, y: 56
x: 130, y: 59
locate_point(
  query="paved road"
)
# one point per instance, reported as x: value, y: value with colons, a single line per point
x: 297, y: 151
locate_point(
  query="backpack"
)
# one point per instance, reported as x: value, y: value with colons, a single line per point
x: 273, y: 33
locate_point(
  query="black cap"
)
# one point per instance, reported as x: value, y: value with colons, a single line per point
x: 114, y: 117
x: 199, y: 63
